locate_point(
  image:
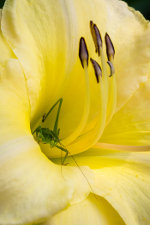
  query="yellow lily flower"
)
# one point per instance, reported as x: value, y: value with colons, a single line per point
x: 45, y: 49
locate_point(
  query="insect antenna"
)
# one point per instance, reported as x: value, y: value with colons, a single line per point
x: 74, y: 160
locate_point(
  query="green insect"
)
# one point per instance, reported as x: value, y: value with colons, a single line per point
x: 51, y: 137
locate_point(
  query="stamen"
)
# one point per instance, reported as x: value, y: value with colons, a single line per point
x: 97, y: 69
x: 112, y: 69
x: 87, y: 138
x: 112, y: 99
x: 96, y: 37
x: 103, y: 97
x: 99, y: 48
x: 103, y: 94
x: 90, y: 137
x: 104, y: 84
x: 83, y: 52
x: 83, y: 55
x: 109, y: 47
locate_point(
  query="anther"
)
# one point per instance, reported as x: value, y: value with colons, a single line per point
x: 93, y: 35
x: 109, y: 47
x: 96, y: 37
x: 97, y: 69
x: 83, y: 52
x: 112, y: 69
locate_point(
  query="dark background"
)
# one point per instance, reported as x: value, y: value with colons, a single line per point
x: 141, y: 5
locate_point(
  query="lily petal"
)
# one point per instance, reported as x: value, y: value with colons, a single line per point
x: 127, y: 189
x: 31, y: 187
x: 131, y: 124
x: 37, y: 32
x: 90, y: 211
x: 35, y: 36
x: 123, y: 179
x: 7, y: 52
x: 23, y: 168
x: 14, y: 103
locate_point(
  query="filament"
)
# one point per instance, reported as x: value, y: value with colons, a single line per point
x: 86, y: 140
x: 112, y: 98
x: 86, y: 110
x: 103, y: 101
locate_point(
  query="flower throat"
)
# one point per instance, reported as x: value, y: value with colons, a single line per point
x: 107, y: 95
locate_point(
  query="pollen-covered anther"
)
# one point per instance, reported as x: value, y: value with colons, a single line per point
x: 96, y: 37
x: 112, y: 68
x: 109, y: 47
x: 83, y: 52
x: 97, y: 69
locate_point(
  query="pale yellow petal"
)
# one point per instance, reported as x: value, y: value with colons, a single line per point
x: 93, y: 210
x: 127, y: 189
x: 32, y: 188
x: 24, y: 170
x: 14, y: 102
x: 42, y: 45
x: 132, y: 43
x: 131, y: 124
x: 5, y: 49
x: 42, y: 37
x: 123, y: 179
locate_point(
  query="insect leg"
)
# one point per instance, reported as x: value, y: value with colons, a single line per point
x: 55, y: 129
x: 37, y: 129
x: 64, y: 150
x: 51, y: 109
